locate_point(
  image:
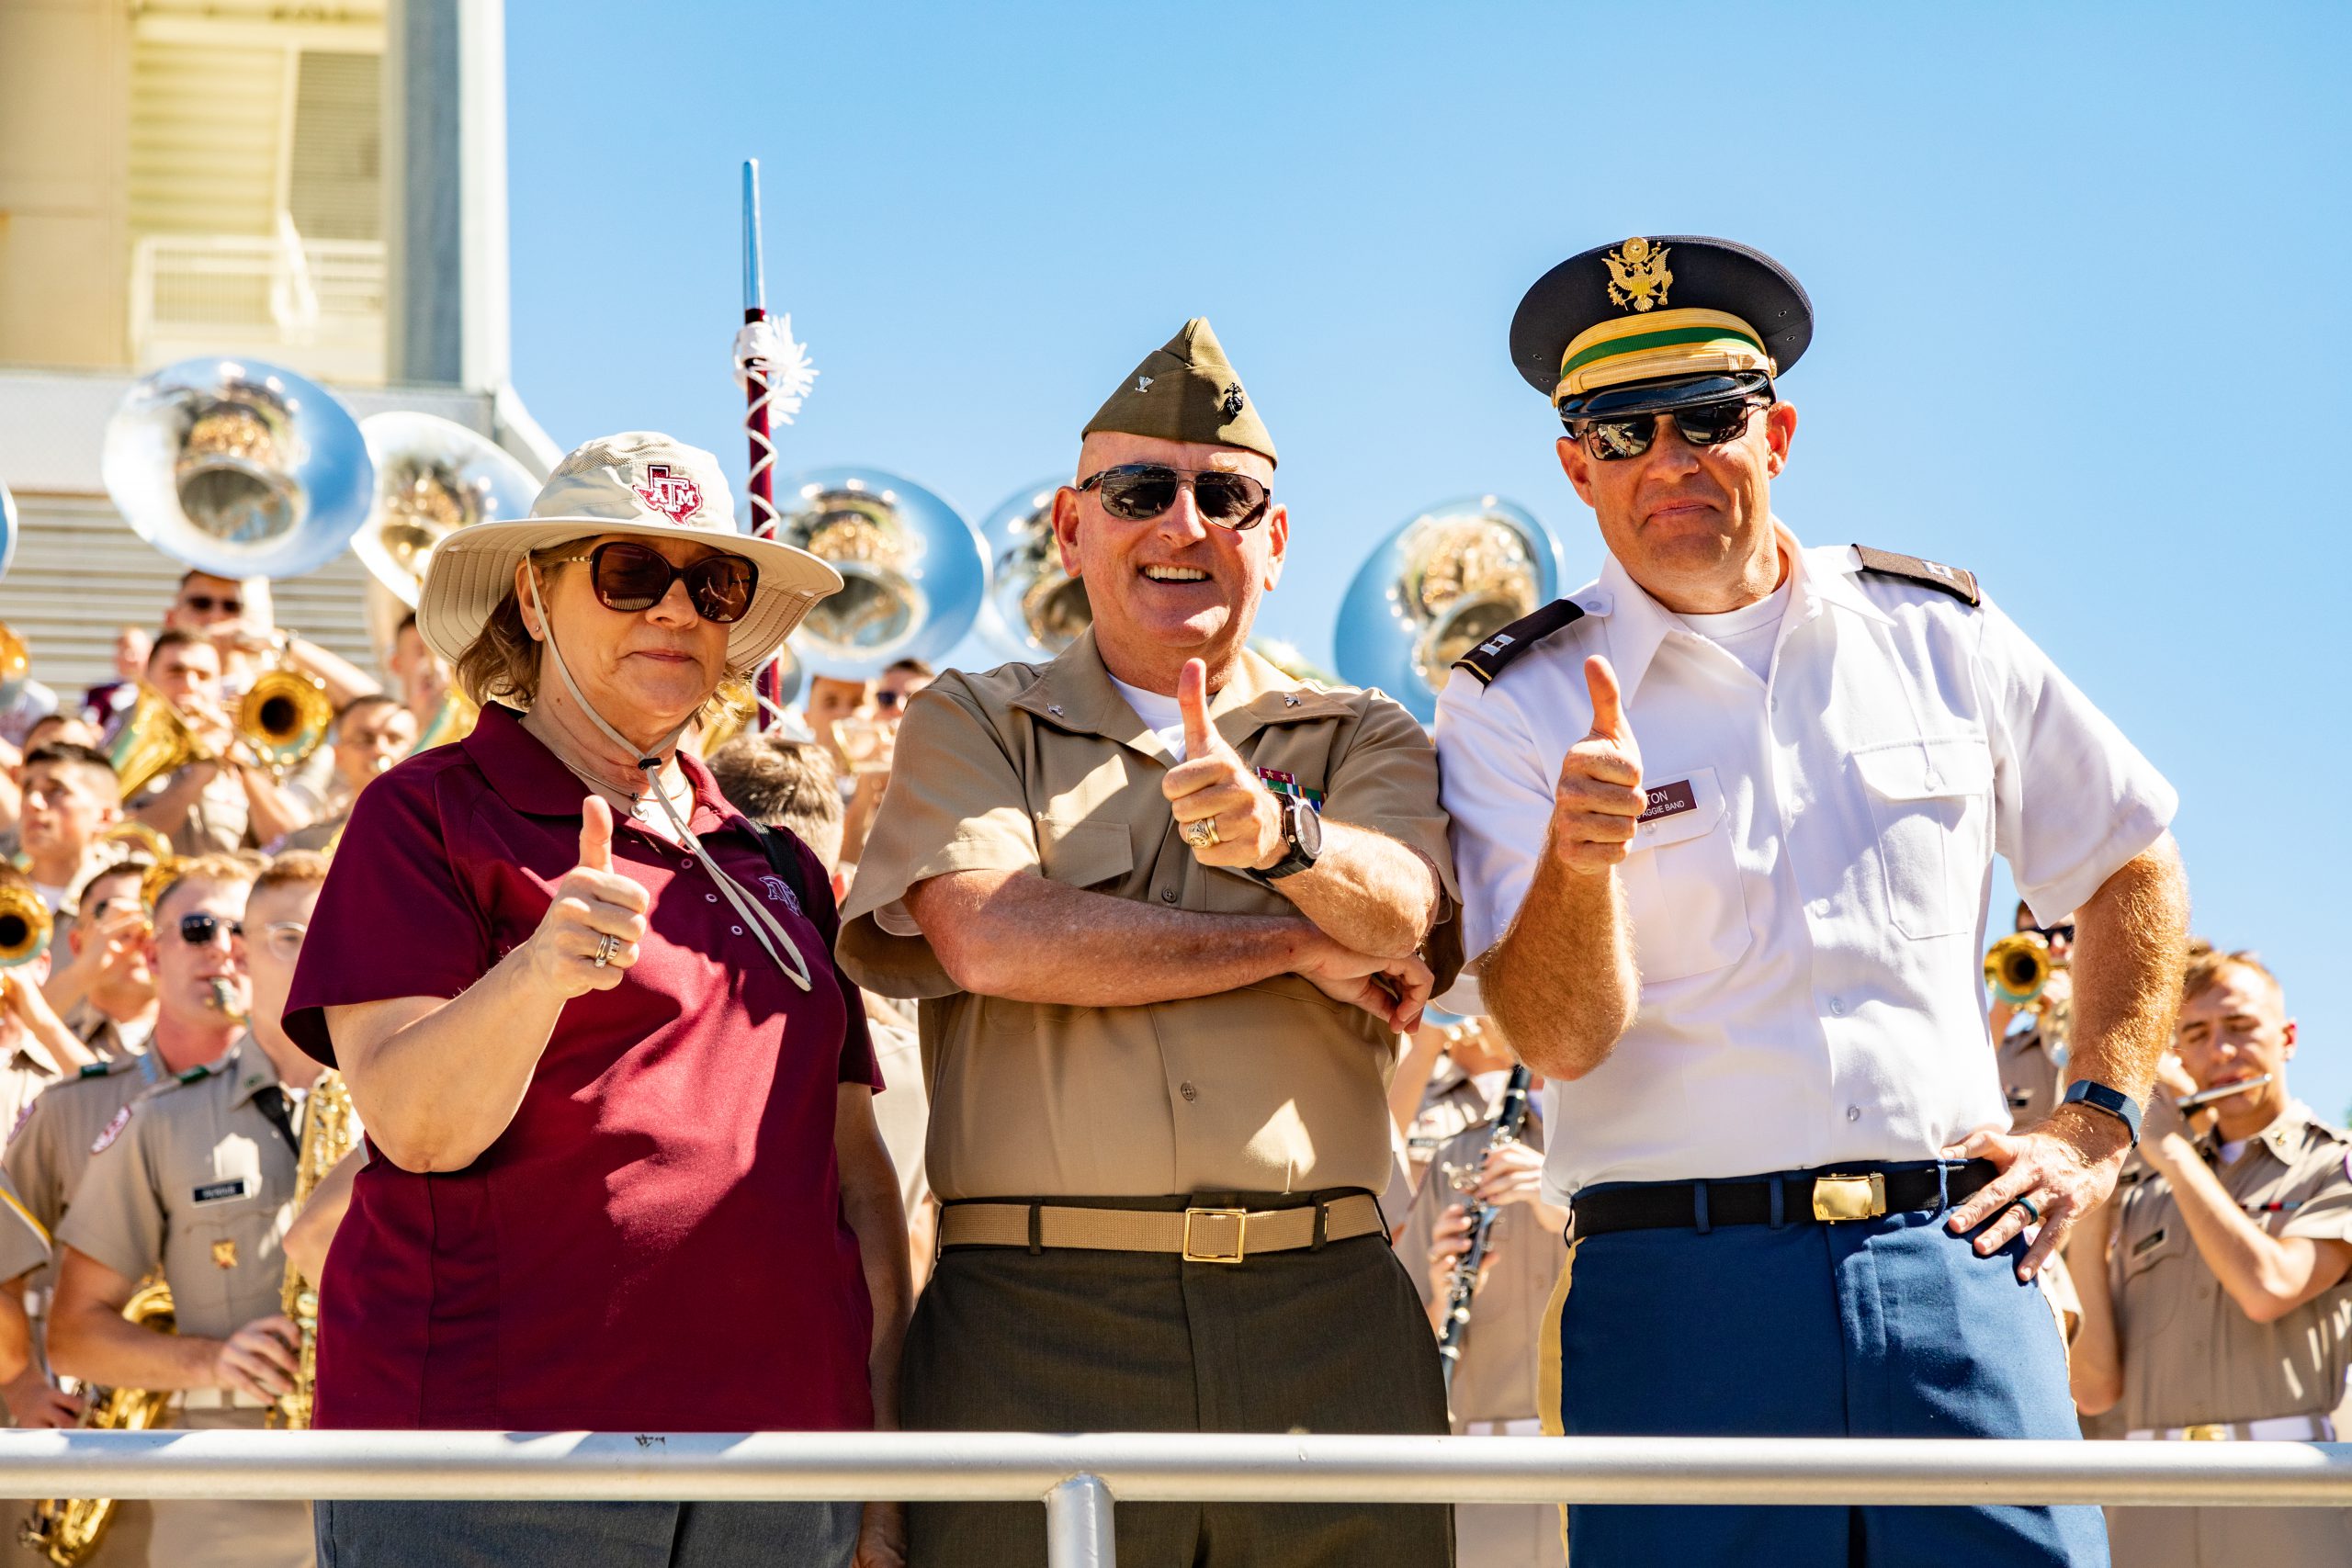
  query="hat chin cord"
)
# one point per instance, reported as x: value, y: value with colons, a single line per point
x: 765, y: 927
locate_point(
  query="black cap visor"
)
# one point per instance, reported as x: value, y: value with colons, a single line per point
x: 1661, y: 397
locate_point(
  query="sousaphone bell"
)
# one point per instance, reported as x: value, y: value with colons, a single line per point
x: 1034, y: 609
x: 238, y: 469
x: 913, y: 570
x: 15, y: 659
x: 1443, y: 582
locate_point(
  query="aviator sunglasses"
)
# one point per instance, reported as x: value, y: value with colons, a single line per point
x: 199, y: 929
x: 205, y: 604
x: 1137, y: 492
x: 1704, y: 424
x: 631, y: 576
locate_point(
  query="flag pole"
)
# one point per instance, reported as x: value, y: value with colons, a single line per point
x: 760, y: 484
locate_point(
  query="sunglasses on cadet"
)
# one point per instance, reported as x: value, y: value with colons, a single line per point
x: 199, y: 929
x: 1137, y: 492
x: 1705, y: 425
x: 630, y: 576
x: 205, y: 604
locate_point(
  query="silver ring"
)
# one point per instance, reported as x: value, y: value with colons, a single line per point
x: 2032, y: 1214
x: 606, y: 945
x: 1201, y: 834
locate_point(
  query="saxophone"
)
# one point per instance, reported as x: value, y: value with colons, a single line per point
x: 68, y: 1530
x: 1510, y: 1122
x: 328, y: 1132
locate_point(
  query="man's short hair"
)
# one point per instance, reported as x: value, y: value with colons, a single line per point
x: 233, y: 871
x: 294, y: 868
x: 786, y: 784
x: 910, y: 666
x: 361, y: 704
x: 2206, y: 970
x: 175, y: 636
x: 71, y: 754
x: 132, y: 865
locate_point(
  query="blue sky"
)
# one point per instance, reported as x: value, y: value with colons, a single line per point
x: 2079, y: 284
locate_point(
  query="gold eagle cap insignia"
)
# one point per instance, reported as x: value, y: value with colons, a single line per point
x: 1638, y: 277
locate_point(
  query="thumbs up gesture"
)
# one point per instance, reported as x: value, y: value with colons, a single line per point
x: 592, y: 904
x: 1213, y: 785
x: 1599, y: 799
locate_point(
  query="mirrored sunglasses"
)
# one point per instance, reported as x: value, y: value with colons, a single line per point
x: 199, y: 929
x: 1137, y: 492
x: 1703, y: 424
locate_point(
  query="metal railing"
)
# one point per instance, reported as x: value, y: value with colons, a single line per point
x: 1079, y: 1478
x: 316, y: 305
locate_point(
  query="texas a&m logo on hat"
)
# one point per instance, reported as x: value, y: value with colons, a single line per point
x: 673, y: 495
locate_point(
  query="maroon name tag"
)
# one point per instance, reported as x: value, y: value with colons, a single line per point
x: 1669, y: 800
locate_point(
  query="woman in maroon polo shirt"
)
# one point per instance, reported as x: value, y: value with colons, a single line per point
x: 626, y: 1174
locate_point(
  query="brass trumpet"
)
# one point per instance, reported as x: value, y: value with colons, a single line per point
x: 284, y: 718
x: 2018, y: 968
x: 154, y: 739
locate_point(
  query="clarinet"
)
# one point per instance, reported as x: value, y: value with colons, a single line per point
x: 1511, y: 1120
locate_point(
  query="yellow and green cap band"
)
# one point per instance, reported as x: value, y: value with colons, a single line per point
x: 1656, y: 345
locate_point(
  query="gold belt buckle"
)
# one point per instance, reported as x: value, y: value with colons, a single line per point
x: 1850, y: 1197
x: 2207, y: 1432
x: 1240, y: 1218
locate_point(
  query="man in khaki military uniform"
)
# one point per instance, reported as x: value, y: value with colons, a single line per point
x: 1496, y: 1390
x: 2225, y: 1311
x: 1458, y: 1092
x: 105, y: 990
x: 36, y: 1048
x: 197, y: 1177
x: 1161, y: 903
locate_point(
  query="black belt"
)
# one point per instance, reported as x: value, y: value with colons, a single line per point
x: 1828, y: 1197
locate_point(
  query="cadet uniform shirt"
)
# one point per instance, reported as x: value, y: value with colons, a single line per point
x: 1272, y: 1088
x: 51, y: 1148
x: 24, y: 1241
x: 24, y: 1075
x: 105, y: 1037
x: 2191, y: 1354
x: 1807, y: 889
x: 2030, y: 1077
x: 1496, y: 1380
x: 1453, y: 1101
x: 194, y: 1176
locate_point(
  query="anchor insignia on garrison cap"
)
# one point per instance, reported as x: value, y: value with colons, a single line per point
x: 1638, y: 277
x: 1233, y: 401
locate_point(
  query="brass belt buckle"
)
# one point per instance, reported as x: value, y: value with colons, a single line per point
x: 2207, y: 1432
x: 1850, y: 1197
x: 1240, y: 1218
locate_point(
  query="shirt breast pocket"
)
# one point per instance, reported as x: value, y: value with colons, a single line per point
x: 2152, y: 1284
x: 1930, y: 802
x: 1084, y: 854
x: 1682, y: 887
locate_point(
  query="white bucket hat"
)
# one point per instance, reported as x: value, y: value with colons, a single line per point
x: 638, y: 483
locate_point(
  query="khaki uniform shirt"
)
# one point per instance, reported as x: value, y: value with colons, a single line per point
x: 51, y: 1148
x: 2030, y: 1078
x: 197, y: 1179
x: 105, y: 1037
x: 1272, y: 1088
x: 23, y: 1076
x: 1497, y: 1378
x: 24, y: 1241
x: 1452, y: 1101
x: 216, y: 824
x: 2191, y: 1354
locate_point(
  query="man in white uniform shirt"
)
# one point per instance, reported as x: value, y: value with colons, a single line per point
x: 1726, y: 821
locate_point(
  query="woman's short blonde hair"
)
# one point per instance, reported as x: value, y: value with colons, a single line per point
x: 501, y: 664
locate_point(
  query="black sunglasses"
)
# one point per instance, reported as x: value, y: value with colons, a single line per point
x: 2055, y: 933
x: 205, y: 604
x: 199, y: 929
x: 1138, y: 492
x: 632, y: 577
x: 1703, y: 424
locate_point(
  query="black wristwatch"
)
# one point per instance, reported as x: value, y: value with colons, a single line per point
x: 1303, y: 831
x: 2115, y: 1102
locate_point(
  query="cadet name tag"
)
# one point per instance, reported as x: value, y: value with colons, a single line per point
x: 2149, y: 1242
x: 1669, y: 800
x: 222, y: 1192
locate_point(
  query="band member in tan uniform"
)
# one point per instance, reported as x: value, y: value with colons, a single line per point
x: 2225, y: 1311
x: 1162, y: 903
x: 197, y: 1179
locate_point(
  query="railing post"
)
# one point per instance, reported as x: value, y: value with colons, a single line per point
x: 1077, y: 1525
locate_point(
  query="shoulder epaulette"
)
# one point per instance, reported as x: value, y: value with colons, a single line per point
x: 95, y: 1069
x: 1492, y: 656
x: 194, y: 1075
x: 1951, y: 580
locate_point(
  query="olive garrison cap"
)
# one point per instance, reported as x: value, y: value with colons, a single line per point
x: 1659, y: 323
x: 1186, y: 391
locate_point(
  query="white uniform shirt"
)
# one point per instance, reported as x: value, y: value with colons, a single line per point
x: 1808, y: 893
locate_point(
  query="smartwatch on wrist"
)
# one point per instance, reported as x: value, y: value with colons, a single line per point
x: 2115, y: 1103
x: 1303, y: 831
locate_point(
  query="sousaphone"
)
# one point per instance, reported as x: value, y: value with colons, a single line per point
x: 914, y: 572
x: 1443, y: 582
x: 238, y: 469
x: 1034, y: 609
x: 15, y: 659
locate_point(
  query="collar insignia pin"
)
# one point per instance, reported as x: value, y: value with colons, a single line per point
x: 1053, y: 708
x: 1638, y: 277
x: 1290, y: 699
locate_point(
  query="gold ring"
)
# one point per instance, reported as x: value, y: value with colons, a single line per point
x: 1201, y: 834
